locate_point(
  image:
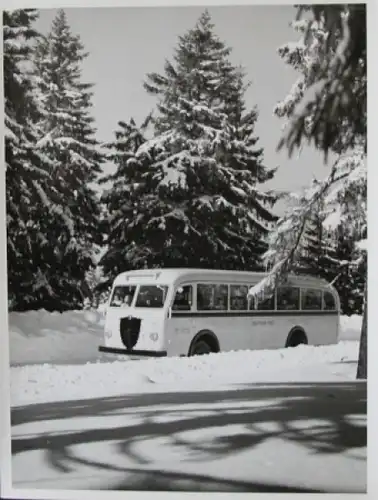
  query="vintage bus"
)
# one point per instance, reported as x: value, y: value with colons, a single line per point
x: 185, y: 312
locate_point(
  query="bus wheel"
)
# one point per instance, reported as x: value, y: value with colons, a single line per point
x: 200, y: 347
x: 296, y: 338
x: 204, y: 342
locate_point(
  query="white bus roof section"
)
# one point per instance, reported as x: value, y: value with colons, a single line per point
x: 169, y: 276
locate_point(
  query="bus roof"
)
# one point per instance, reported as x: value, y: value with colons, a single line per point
x: 166, y: 276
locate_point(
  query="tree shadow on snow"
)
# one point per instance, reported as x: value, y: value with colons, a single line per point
x: 314, y: 416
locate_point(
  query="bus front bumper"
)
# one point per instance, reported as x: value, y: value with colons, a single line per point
x: 126, y: 352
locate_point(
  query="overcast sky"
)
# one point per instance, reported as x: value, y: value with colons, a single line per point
x: 126, y: 43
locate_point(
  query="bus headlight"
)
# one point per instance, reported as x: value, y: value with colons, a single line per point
x: 154, y: 336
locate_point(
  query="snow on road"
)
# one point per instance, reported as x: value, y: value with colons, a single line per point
x: 225, y: 422
x: 274, y: 437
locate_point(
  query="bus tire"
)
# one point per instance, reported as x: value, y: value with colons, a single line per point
x: 203, y: 343
x: 296, y: 337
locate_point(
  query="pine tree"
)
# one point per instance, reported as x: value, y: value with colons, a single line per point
x: 329, y: 108
x: 351, y: 276
x: 67, y: 139
x: 319, y: 253
x: 307, y: 56
x: 26, y: 168
x: 348, y: 202
x: 123, y: 199
x: 194, y: 187
x: 327, y: 104
x: 333, y: 255
x: 95, y: 280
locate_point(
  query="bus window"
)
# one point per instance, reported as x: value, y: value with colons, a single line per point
x: 183, y: 298
x: 238, y: 298
x: 151, y: 296
x: 212, y: 297
x: 287, y: 298
x: 266, y: 304
x: 252, y: 302
x: 328, y: 302
x: 122, y: 296
x: 311, y: 300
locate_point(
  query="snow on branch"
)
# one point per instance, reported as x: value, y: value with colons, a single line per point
x: 331, y: 88
x: 57, y: 209
x: 346, y: 201
x: 285, y: 240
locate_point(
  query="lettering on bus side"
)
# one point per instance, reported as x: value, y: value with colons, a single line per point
x: 182, y: 331
x: 262, y: 322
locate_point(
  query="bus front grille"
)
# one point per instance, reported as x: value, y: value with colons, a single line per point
x: 129, y: 329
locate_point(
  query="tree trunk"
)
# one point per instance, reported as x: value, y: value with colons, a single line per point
x: 362, y: 357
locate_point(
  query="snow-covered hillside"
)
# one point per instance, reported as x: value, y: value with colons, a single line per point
x: 62, y: 362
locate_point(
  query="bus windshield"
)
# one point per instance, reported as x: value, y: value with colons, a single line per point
x: 122, y: 296
x: 151, y: 296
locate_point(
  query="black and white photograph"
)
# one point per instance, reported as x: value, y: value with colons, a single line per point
x: 185, y: 249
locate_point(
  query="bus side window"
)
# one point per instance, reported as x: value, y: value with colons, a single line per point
x: 328, y: 301
x: 311, y: 300
x: 266, y: 304
x: 183, y: 298
x: 287, y: 298
x: 212, y: 297
x: 238, y: 298
x: 252, y: 301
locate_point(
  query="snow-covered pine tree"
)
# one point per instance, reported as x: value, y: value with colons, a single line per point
x: 347, y: 209
x: 319, y: 252
x: 350, y: 278
x: 198, y: 202
x: 327, y: 106
x: 95, y: 279
x: 26, y: 167
x: 330, y: 56
x: 123, y: 199
x: 331, y: 254
x: 307, y: 56
x: 287, y: 242
x: 68, y: 140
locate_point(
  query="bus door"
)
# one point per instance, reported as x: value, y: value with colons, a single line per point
x: 181, y: 324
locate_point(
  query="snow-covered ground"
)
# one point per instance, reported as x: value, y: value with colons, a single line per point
x: 42, y: 337
x: 47, y: 383
x: 301, y: 437
x: 282, y: 420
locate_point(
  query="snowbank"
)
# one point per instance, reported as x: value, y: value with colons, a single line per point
x: 350, y: 327
x: 47, y: 383
x: 44, y: 337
